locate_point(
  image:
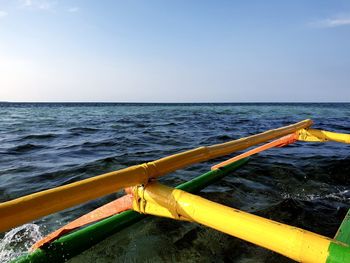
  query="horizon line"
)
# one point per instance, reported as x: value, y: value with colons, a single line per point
x: 157, y: 102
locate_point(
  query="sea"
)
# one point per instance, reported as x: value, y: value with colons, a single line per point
x: 46, y: 145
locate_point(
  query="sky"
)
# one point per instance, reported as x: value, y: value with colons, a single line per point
x: 174, y: 51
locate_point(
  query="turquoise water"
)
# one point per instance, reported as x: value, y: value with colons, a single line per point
x: 304, y: 184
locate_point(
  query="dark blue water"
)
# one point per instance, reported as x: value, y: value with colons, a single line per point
x: 305, y: 184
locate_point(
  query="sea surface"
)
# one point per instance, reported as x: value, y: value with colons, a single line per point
x: 48, y: 145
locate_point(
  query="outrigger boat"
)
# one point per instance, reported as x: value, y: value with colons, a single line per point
x: 145, y: 196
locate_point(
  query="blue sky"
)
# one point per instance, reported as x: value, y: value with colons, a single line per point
x: 174, y: 51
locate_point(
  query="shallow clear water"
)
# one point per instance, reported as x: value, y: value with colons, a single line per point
x: 305, y: 184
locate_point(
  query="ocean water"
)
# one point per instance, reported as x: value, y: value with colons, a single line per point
x: 49, y: 145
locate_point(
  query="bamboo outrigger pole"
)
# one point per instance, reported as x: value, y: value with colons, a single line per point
x: 31, y: 207
x: 292, y: 242
x: 74, y: 243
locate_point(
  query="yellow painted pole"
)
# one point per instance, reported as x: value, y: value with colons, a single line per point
x: 313, y: 135
x: 28, y: 208
x: 295, y: 243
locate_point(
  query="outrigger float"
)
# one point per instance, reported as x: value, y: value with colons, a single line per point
x: 145, y: 196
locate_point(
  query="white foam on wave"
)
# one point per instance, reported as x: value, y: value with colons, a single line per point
x: 18, y: 241
x: 338, y: 196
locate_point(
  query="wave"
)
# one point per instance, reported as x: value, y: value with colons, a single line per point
x: 25, y: 148
x: 104, y: 143
x: 71, y: 174
x: 83, y: 130
x: 217, y: 139
x: 18, y: 241
x: 39, y: 136
x: 341, y: 196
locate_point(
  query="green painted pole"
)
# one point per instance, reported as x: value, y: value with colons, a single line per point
x: 343, y: 233
x: 76, y: 242
x: 339, y: 253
